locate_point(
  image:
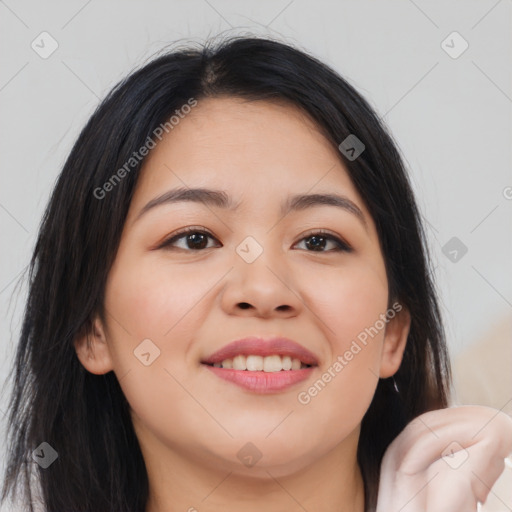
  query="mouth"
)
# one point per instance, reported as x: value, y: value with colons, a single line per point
x: 255, y: 363
x: 262, y: 365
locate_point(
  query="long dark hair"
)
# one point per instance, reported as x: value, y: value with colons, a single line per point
x: 85, y: 417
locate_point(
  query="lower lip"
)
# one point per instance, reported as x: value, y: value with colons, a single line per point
x: 262, y: 382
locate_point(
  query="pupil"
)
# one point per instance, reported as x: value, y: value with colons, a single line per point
x: 316, y: 244
x: 196, y: 242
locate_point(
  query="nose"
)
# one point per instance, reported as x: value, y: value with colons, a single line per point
x: 264, y: 288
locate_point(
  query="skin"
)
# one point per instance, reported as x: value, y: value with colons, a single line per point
x: 446, y: 460
x: 190, y: 303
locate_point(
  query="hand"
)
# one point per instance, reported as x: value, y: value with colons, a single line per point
x: 445, y: 461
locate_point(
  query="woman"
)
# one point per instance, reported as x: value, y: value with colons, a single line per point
x: 230, y: 302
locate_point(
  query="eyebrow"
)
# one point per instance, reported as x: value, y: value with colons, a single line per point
x: 219, y: 199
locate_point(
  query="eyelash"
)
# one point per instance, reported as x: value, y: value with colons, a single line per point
x: 342, y: 246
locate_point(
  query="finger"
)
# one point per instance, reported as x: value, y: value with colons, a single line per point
x: 405, y: 494
x: 450, y: 494
x: 484, y: 438
x: 482, y: 470
x: 432, y: 437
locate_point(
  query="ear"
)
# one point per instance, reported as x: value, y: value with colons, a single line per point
x: 93, y: 351
x: 395, y: 340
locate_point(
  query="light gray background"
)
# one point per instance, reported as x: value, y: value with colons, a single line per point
x: 450, y: 117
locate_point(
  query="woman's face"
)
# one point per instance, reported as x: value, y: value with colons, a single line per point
x: 258, y: 271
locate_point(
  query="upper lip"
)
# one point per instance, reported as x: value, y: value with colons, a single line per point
x: 257, y: 346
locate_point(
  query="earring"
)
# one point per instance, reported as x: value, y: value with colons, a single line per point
x: 395, y: 386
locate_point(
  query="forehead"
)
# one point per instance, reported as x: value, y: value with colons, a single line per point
x: 257, y: 150
x: 235, y: 129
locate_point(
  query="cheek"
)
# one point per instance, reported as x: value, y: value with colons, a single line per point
x: 155, y: 310
x: 154, y: 301
x: 349, y: 302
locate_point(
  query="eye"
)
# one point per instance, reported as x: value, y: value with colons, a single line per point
x: 318, y: 240
x: 194, y: 239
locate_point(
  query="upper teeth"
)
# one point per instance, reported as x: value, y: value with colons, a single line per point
x: 274, y: 363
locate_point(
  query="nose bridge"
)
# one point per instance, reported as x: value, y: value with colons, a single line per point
x: 261, y: 277
x: 258, y: 252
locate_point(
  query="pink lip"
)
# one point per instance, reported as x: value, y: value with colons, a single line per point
x: 262, y: 382
x: 263, y: 347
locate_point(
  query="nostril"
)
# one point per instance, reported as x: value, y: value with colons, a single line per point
x: 244, y: 305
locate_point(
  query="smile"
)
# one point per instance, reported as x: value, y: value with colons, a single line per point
x: 255, y: 363
x: 262, y: 365
x: 262, y: 375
